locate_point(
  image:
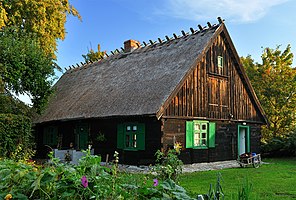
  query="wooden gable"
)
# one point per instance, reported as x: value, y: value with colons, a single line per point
x: 216, y: 87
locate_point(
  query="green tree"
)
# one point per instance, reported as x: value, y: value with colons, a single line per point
x: 29, y: 31
x: 45, y: 18
x: 24, y: 67
x: 94, y: 55
x: 275, y: 84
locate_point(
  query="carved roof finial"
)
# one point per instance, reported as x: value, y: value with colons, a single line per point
x: 220, y: 20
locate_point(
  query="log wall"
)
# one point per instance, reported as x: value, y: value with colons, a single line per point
x: 226, y: 143
x: 215, y: 92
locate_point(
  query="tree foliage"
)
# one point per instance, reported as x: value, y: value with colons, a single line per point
x: 45, y: 18
x: 15, y: 136
x: 275, y: 84
x: 3, y: 15
x: 24, y: 67
x: 10, y: 105
x: 29, y: 31
x: 94, y: 55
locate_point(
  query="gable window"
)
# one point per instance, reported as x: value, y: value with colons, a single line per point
x: 220, y: 64
x: 200, y: 134
x: 131, y: 136
x: 220, y: 61
x: 50, y: 134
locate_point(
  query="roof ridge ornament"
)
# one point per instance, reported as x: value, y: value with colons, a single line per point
x: 183, y: 33
x: 220, y: 20
x: 151, y: 43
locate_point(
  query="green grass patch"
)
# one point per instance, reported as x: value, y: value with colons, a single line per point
x: 275, y: 180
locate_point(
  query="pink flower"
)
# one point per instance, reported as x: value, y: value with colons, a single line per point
x: 84, y: 181
x: 155, y: 181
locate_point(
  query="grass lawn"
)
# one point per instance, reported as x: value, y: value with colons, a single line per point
x: 273, y: 181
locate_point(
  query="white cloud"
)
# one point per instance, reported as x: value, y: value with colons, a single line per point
x: 241, y: 11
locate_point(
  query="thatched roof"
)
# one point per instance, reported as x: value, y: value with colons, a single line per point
x: 124, y: 84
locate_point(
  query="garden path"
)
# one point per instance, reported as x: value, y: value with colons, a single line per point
x: 186, y: 168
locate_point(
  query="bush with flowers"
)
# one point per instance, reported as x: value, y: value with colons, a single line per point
x: 87, y: 180
x: 169, y: 166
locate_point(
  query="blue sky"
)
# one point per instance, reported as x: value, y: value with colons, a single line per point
x: 252, y: 24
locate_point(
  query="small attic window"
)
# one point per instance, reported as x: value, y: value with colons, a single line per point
x: 220, y: 61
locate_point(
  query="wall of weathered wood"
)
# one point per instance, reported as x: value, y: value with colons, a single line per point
x: 226, y: 141
x: 214, y: 92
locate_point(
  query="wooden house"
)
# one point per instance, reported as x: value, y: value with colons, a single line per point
x: 190, y: 89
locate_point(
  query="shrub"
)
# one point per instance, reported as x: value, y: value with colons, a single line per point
x: 290, y: 144
x: 87, y: 180
x: 15, y: 137
x: 169, y: 166
x: 280, y: 146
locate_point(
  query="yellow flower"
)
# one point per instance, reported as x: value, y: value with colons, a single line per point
x: 8, y: 196
x: 178, y: 147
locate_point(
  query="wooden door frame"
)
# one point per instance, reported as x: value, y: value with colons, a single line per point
x: 239, y: 127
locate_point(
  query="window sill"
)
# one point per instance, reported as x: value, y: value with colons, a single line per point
x: 200, y: 147
x: 130, y: 149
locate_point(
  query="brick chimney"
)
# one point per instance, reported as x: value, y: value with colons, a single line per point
x: 131, y: 45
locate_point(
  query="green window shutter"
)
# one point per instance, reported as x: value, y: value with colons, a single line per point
x: 141, y: 137
x: 189, y: 134
x: 55, y: 136
x: 45, y: 135
x: 50, y: 135
x: 83, y: 137
x: 120, y: 136
x: 212, y: 133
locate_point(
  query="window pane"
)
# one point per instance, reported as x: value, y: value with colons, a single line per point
x: 196, y: 140
x: 135, y: 140
x: 128, y: 128
x: 203, y: 127
x: 134, y: 128
x: 220, y: 61
x: 203, y: 142
x: 196, y: 127
x: 204, y: 135
x: 127, y: 140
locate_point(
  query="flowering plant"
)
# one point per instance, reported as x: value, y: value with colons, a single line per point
x: 87, y: 180
x: 84, y: 181
x: 178, y: 147
x: 155, y: 182
x: 169, y: 166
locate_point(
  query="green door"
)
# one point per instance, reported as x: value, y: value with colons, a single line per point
x: 82, y: 136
